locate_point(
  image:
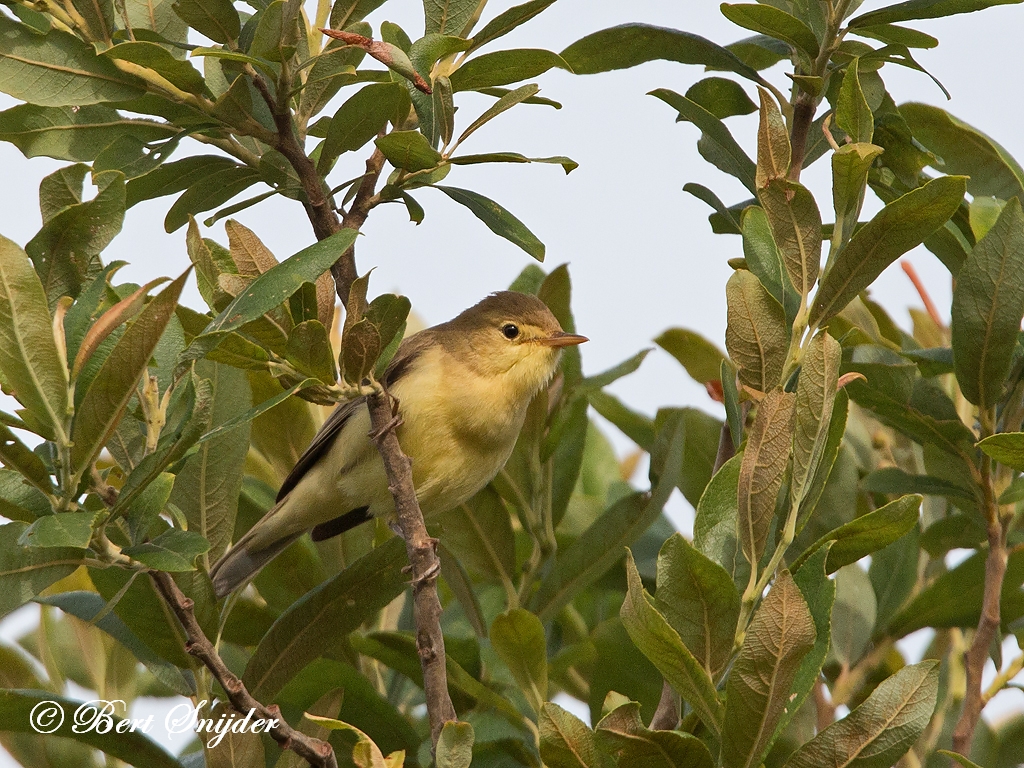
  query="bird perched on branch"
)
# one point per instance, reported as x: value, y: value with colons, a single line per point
x: 463, y: 386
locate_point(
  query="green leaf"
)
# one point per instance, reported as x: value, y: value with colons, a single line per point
x: 455, y: 746
x: 867, y: 534
x: 58, y: 69
x: 850, y: 166
x: 764, y: 466
x: 660, y: 643
x: 600, y: 546
x: 444, y: 109
x: 64, y: 529
x: 723, y: 215
x: 631, y: 44
x: 958, y: 757
x: 360, y: 348
x: 954, y: 598
x: 701, y: 359
x: 853, y: 115
x: 716, y: 144
x: 504, y: 67
x: 815, y: 399
x: 15, y: 455
x: 508, y: 20
x: 272, y: 288
x: 796, y: 228
x: 18, y: 499
x: 178, y: 73
x: 988, y: 305
x: 480, y: 533
x: 568, y: 164
x: 635, y: 426
x: 408, y: 150
x: 18, y: 708
x: 503, y: 104
x: 965, y: 150
x: 890, y: 33
x: 210, y: 507
x: 880, y: 731
x: 172, y: 550
x: 87, y: 606
x: 903, y: 224
x: 174, y: 177
x: 765, y: 261
x: 916, y: 407
x: 309, y: 350
x: 1007, y: 448
x: 318, y: 621
x: 621, y: 732
x: 447, y: 16
x: 853, y: 616
x: 365, y: 754
x: 773, y: 149
x: 518, y: 638
x: 65, y: 249
x: 211, y: 191
x: 497, y: 219
x: 757, y: 336
x: 565, y: 741
x: 358, y: 120
x: 923, y: 9
x: 819, y: 593
x: 721, y: 97
x: 773, y: 22
x: 27, y: 571
x: 699, y: 600
x: 29, y: 358
x: 347, y: 12
x: 72, y: 133
x: 114, y: 385
x: 715, y: 526
x: 216, y: 19
x: 779, y: 636
x: 896, y: 480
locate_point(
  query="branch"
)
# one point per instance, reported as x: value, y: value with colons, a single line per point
x: 422, y: 552
x: 317, y: 753
x: 318, y: 205
x: 420, y: 547
x: 344, y: 269
x: 803, y: 115
x: 988, y: 624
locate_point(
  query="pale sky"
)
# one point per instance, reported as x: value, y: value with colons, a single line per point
x: 642, y: 255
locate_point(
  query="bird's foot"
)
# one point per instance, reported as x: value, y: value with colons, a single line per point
x: 393, y: 423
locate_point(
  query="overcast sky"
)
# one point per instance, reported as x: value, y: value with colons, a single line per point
x: 641, y: 252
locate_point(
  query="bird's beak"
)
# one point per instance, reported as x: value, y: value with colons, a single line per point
x: 562, y: 339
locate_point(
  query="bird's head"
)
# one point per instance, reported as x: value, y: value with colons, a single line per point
x: 513, y: 336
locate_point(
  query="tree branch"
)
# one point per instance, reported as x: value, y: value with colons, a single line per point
x: 422, y: 552
x: 316, y: 752
x: 984, y: 635
x: 420, y: 547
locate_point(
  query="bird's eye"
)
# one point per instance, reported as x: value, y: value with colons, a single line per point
x: 510, y: 331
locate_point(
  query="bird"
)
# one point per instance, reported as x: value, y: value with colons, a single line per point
x: 463, y: 389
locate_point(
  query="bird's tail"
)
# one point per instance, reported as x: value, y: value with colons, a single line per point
x: 251, y: 552
x: 245, y: 559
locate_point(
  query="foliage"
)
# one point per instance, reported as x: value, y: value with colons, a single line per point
x: 852, y: 436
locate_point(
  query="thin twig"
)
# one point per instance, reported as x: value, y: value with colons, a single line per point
x: 424, y: 565
x: 420, y: 547
x: 316, y: 752
x: 929, y: 305
x: 344, y: 269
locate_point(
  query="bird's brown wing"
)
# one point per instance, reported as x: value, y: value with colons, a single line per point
x: 324, y: 438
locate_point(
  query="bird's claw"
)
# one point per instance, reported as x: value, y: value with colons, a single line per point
x: 393, y: 423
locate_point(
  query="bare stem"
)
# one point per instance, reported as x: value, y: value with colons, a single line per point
x: 316, y: 752
x: 420, y: 547
x: 422, y: 552
x: 666, y: 716
x: 988, y: 624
